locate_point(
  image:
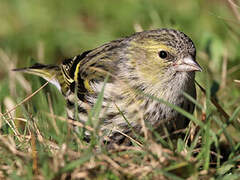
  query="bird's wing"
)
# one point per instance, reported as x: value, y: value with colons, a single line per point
x: 91, y: 67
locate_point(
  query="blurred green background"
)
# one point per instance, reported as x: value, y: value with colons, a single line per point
x: 49, y: 31
x: 64, y: 28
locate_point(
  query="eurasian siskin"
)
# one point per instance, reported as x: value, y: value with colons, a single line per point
x: 158, y: 63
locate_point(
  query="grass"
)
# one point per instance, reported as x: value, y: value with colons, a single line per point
x: 37, y: 141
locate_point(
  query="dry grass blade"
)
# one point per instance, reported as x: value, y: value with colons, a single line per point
x: 114, y: 164
x: 26, y: 99
x: 70, y: 121
x: 12, y: 126
x: 234, y: 9
x: 237, y: 81
x: 54, y: 123
x: 135, y: 141
x: 233, y: 69
x: 11, y: 146
x: 34, y: 154
x: 220, y: 109
x: 216, y: 104
x: 224, y: 70
x: 37, y: 131
x: 7, y: 64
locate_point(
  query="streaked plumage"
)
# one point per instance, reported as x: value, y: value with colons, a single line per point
x: 160, y: 63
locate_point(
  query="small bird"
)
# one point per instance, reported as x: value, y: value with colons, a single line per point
x: 160, y: 63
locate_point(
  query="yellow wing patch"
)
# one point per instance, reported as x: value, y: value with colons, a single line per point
x: 76, y: 72
x: 87, y: 86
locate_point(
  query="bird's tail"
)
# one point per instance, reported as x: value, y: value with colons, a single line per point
x: 50, y: 73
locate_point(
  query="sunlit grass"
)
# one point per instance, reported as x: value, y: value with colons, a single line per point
x: 38, y: 141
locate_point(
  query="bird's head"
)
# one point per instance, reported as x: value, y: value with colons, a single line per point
x: 160, y: 55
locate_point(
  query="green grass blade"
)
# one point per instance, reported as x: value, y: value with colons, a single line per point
x: 74, y: 164
x: 95, y: 111
x: 198, y: 105
x: 178, y: 109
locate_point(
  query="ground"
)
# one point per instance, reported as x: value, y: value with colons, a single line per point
x: 37, y: 141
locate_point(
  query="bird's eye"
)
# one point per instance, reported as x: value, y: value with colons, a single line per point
x: 163, y: 54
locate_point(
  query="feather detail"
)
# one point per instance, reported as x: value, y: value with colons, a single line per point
x: 50, y: 73
x: 133, y: 64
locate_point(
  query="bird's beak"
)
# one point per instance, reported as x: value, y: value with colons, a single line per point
x: 187, y: 64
